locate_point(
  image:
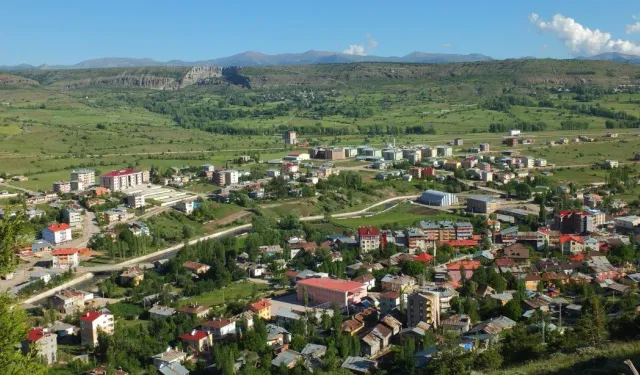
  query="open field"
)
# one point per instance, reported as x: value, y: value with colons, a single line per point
x: 233, y: 292
x: 401, y: 215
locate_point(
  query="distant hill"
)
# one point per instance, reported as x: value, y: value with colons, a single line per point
x: 613, y: 56
x: 251, y: 58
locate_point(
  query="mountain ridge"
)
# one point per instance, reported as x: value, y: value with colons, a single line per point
x: 253, y: 58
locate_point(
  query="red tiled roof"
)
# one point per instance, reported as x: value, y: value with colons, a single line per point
x: 505, y: 262
x: 122, y: 172
x: 196, y: 335
x: 570, y: 237
x: 467, y: 264
x: 262, y: 304
x: 460, y: 243
x: 36, y: 334
x: 368, y: 231
x: 58, y: 227
x: 67, y: 251
x: 390, y: 295
x: 91, y: 316
x: 193, y: 265
x: 291, y: 273
x: 532, y: 277
x: 364, y: 278
x: 332, y: 284
x: 424, y: 257
x: 577, y: 257
x: 294, y: 154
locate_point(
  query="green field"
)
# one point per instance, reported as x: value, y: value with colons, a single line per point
x: 233, y: 292
x: 401, y: 215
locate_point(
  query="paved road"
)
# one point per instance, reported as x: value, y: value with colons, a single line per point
x: 18, y: 188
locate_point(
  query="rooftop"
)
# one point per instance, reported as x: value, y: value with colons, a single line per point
x: 66, y: 251
x: 122, y: 172
x: 92, y: 315
x: 58, y: 227
x: 332, y: 284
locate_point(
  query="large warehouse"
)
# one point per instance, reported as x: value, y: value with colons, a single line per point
x: 482, y: 204
x: 438, y: 198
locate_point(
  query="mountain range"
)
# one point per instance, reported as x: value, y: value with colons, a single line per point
x: 251, y: 58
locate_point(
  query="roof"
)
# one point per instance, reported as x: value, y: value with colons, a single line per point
x: 92, y: 315
x: 122, y: 172
x: 467, y: 264
x: 260, y: 305
x: 532, y: 277
x: 516, y: 251
x: 483, y: 198
x: 391, y: 322
x: 286, y: 357
x: 424, y: 257
x: 193, y: 309
x: 195, y: 335
x: 569, y: 237
x: 58, y: 227
x: 368, y: 231
x: 351, y: 325
x: 162, y: 310
x: 67, y: 251
x: 364, y: 278
x: 101, y: 370
x: 390, y: 295
x: 36, y: 334
x: 460, y: 243
x: 194, y: 265
x: 358, y: 364
x: 332, y: 284
x: 311, y: 349
x: 505, y: 262
x: 175, y: 368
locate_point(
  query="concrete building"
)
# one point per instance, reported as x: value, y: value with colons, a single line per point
x: 68, y: 301
x: 484, y: 147
x: 62, y: 187
x: 57, y: 233
x: 186, y: 206
x: 160, y: 312
x: 540, y: 162
x: 627, y: 222
x: 444, y: 151
x: 169, y: 357
x: 438, y: 198
x: 93, y: 322
x: 514, y: 132
x: 290, y: 138
x: 335, y: 153
x: 225, y: 177
x: 423, y: 307
x: 482, y: 204
x: 610, y: 164
x: 43, y: 343
x: 72, y: 215
x: 84, y: 177
x: 330, y: 291
x: 574, y: 222
x: 392, y: 154
x: 136, y: 201
x: 369, y: 239
x: 124, y: 179
x: 458, y: 142
x: 219, y: 328
x: 64, y: 258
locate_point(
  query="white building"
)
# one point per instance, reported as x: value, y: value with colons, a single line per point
x: 541, y: 162
x: 83, y: 177
x: 290, y: 137
x: 136, y: 201
x: 438, y: 198
x: 57, y: 233
x: 445, y: 151
x: 514, y: 132
x: 231, y: 176
x: 64, y: 258
x: 186, y: 206
x: 123, y: 179
x: 627, y: 222
x: 611, y: 164
x: 73, y: 216
x: 61, y: 187
x: 369, y: 239
x: 93, y: 322
x: 273, y: 173
x: 528, y: 161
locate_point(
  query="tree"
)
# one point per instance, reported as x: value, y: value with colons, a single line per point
x: 542, y: 215
x: 490, y: 359
x: 404, y: 359
x: 13, y: 329
x: 512, y: 309
x: 592, y: 326
x: 14, y: 234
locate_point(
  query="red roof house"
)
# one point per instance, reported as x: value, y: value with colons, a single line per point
x: 424, y: 258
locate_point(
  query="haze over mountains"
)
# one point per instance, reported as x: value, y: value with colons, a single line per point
x: 251, y: 58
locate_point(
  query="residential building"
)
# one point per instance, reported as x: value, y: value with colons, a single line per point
x: 57, y: 233
x: 626, y: 222
x: 102, y: 370
x: 335, y: 153
x: 225, y: 177
x: 514, y: 132
x: 574, y: 222
x: 43, y: 343
x: 219, y: 328
x: 329, y: 291
x: 68, y: 301
x: 169, y: 357
x: 161, y: 312
x: 484, y: 147
x: 84, y: 177
x: 423, y: 307
x: 195, y: 340
x: 38, y: 246
x: 132, y: 276
x: 541, y: 162
x: 62, y: 187
x: 392, y: 154
x: 398, y: 283
x: 428, y: 172
x: 65, y: 258
x: 273, y: 173
x: 369, y: 239
x: 518, y: 252
x: 570, y: 244
x: 444, y: 151
x: 459, y: 323
x: 195, y: 267
x: 197, y: 311
x: 389, y: 301
x: 610, y: 164
x: 93, y: 322
x: 72, y: 215
x: 173, y: 369
x: 287, y: 358
x: 124, y: 179
x: 186, y: 206
x: 359, y: 365
x: 482, y: 204
x: 136, y: 200
x: 458, y: 142
x: 261, y: 308
x: 290, y: 138
x: 438, y: 198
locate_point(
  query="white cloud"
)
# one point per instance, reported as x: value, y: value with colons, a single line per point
x: 447, y: 45
x: 582, y: 40
x: 355, y: 49
x: 533, y: 17
x: 632, y: 29
x: 635, y: 16
x: 362, y: 49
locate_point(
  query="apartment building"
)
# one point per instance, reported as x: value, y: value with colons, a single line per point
x: 423, y: 307
x: 62, y: 187
x: 57, y: 233
x: 64, y: 258
x: 84, y: 177
x: 123, y: 179
x: 290, y: 137
x: 369, y: 239
x: 93, y: 322
x: 43, y: 343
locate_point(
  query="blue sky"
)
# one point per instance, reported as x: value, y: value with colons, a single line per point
x: 66, y: 32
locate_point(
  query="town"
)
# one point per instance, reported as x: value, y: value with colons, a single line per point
x: 478, y: 259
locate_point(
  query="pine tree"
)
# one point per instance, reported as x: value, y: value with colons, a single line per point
x: 12, y: 330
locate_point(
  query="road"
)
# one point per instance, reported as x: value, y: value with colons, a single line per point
x: 18, y: 188
x: 89, y: 228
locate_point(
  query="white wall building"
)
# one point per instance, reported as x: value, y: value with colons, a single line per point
x: 438, y: 198
x: 57, y: 233
x: 123, y: 179
x: 93, y: 322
